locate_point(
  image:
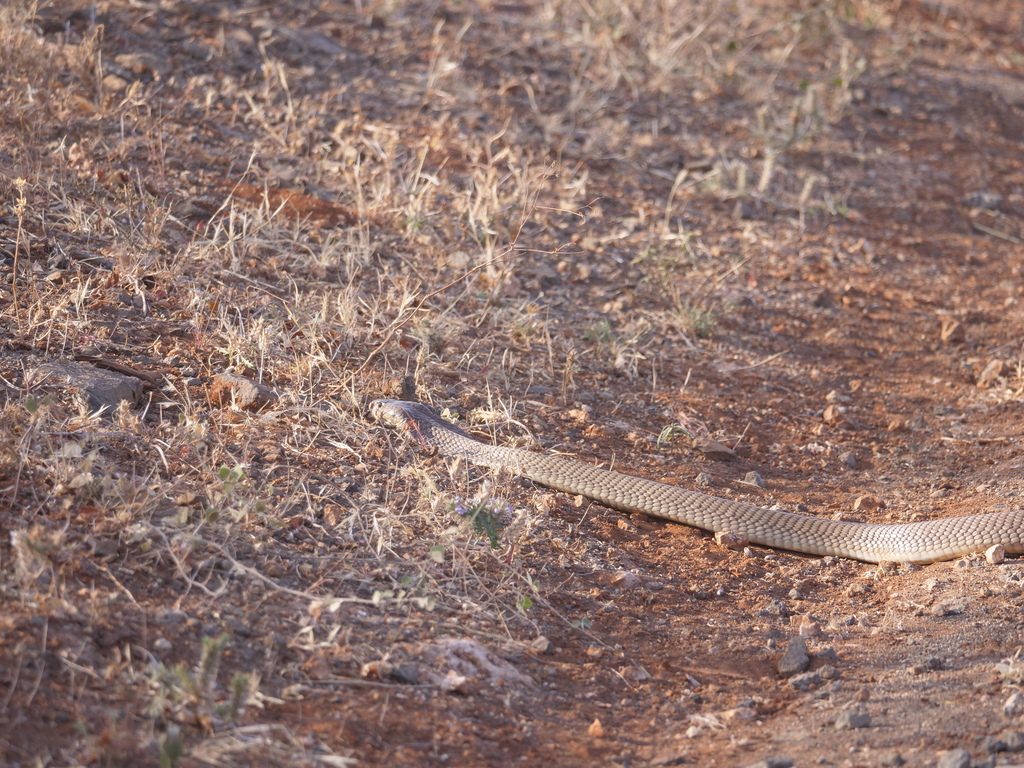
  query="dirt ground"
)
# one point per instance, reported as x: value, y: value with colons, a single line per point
x: 604, y: 229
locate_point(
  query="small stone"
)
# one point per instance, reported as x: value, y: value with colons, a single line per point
x: 97, y: 388
x: 162, y: 645
x: 836, y: 415
x: 795, y: 660
x: 775, y: 607
x: 993, y: 744
x: 827, y: 656
x: 731, y: 540
x: 542, y: 645
x: 703, y: 480
x: 596, y: 729
x: 955, y: 758
x: 714, y: 450
x: 773, y: 762
x: 988, y: 201
x: 754, y: 478
x: 453, y: 682
x: 1014, y: 705
x: 891, y: 760
x: 867, y: 501
x: 805, y: 681
x: 848, y: 459
x: 230, y: 389
x: 407, y: 673
x: 635, y: 674
x: 626, y: 580
x: 828, y: 672
x: 995, y: 554
x: 850, y: 719
x: 1013, y: 741
x: 738, y: 715
x: 808, y: 627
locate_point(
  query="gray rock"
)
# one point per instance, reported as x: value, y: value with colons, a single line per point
x: 828, y: 672
x: 1007, y: 741
x: 1014, y: 705
x: 230, y: 389
x: 754, y: 478
x: 1014, y: 741
x: 407, y: 673
x: 955, y: 758
x: 806, y: 681
x: 773, y: 762
x: 98, y: 389
x: 851, y: 718
x: 989, y: 201
x: 827, y: 656
x: 795, y: 660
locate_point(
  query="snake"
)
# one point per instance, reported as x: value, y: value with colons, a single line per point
x: 918, y: 542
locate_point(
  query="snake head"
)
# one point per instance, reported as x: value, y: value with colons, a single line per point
x: 400, y: 415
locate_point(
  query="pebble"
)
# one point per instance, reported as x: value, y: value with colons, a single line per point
x: 731, y: 540
x: 231, y: 389
x: 867, y: 501
x: 636, y: 674
x: 848, y: 459
x: 1008, y: 741
x: 828, y: 672
x: 1014, y: 705
x: 851, y: 718
x: 805, y: 681
x: 626, y: 580
x: 773, y: 762
x: 99, y: 388
x: 827, y: 656
x: 955, y: 758
x: 542, y: 645
x: 754, y: 478
x: 714, y: 450
x: 989, y: 201
x: 891, y: 760
x: 795, y: 660
x: 162, y: 644
x: 775, y: 607
x: 995, y: 554
x: 704, y: 480
x: 407, y: 673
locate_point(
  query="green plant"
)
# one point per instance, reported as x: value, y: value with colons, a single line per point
x: 672, y: 431
x: 228, y: 497
x: 181, y: 691
x: 600, y: 333
x: 695, y: 317
x: 486, y: 516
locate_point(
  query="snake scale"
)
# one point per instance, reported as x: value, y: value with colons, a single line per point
x: 921, y: 542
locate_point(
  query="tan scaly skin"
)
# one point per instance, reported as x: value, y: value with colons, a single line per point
x: 923, y: 542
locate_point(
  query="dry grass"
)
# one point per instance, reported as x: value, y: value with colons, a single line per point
x: 455, y: 222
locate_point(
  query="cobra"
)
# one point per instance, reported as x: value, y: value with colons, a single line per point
x: 919, y: 542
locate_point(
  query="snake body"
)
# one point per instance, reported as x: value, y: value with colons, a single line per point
x: 921, y: 542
